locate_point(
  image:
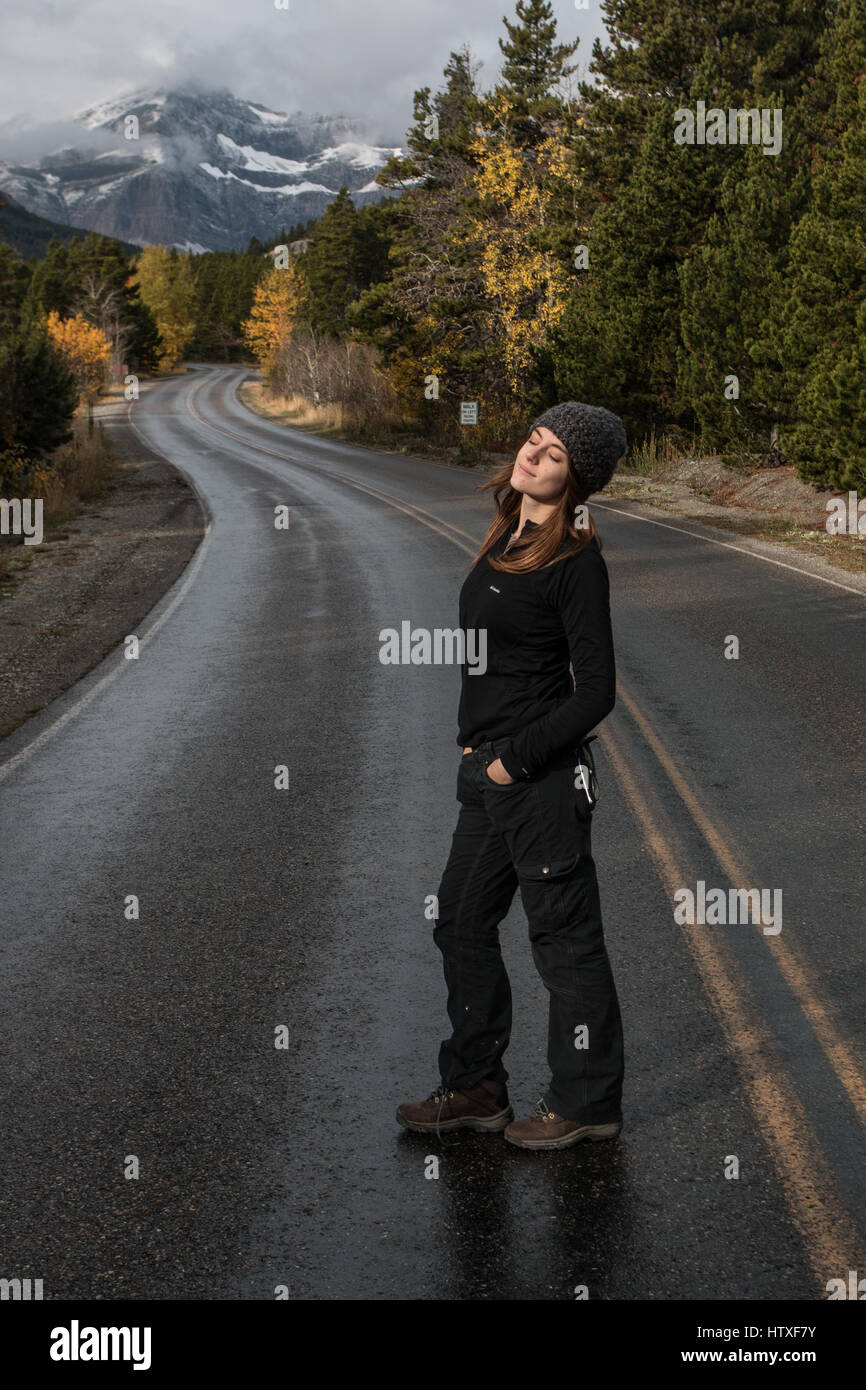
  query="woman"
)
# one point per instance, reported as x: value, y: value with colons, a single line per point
x: 539, y: 587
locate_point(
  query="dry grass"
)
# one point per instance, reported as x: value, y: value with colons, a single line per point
x: 653, y: 455
x: 294, y: 409
x: 77, y: 472
x: 358, y: 423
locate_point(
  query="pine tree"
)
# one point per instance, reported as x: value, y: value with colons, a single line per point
x: 14, y: 282
x: 534, y: 65
x: 657, y: 323
x: 440, y: 137
x: 224, y: 285
x: 330, y: 267
x: 618, y: 341
x: 429, y: 318
x: 730, y: 283
x: 53, y: 284
x: 38, y: 396
x: 655, y: 54
x: 144, y: 343
x: 733, y: 281
x: 824, y: 314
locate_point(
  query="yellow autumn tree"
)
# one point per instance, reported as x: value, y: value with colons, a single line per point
x: 526, y: 285
x: 86, y: 349
x: 277, y: 304
x: 166, y: 285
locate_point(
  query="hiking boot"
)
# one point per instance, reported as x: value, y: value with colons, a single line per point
x: 483, y: 1106
x: 544, y: 1129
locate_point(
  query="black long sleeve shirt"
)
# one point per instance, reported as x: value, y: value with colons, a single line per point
x: 535, y: 624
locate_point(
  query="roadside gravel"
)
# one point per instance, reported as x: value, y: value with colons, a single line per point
x: 89, y: 586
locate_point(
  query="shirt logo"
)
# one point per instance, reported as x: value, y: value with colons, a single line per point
x: 494, y: 588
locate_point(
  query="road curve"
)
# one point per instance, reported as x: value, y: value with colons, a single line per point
x: 166, y: 909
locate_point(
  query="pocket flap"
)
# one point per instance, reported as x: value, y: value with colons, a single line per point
x: 555, y: 868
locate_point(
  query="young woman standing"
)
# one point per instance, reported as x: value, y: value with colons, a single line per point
x: 539, y: 587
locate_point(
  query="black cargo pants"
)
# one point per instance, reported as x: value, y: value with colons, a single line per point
x: 536, y: 835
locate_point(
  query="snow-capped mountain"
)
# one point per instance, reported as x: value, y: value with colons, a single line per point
x: 197, y: 170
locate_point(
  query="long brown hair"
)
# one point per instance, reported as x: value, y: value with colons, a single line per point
x: 549, y: 541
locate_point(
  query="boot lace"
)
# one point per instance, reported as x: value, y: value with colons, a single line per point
x: 542, y: 1110
x: 440, y: 1095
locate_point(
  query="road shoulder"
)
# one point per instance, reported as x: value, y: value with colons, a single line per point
x: 723, y: 531
x: 89, y: 587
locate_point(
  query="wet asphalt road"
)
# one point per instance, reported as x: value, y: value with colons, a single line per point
x: 153, y: 1037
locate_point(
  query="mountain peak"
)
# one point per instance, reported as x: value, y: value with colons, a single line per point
x: 202, y: 168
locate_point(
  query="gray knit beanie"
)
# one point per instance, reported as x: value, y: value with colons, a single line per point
x: 593, y: 437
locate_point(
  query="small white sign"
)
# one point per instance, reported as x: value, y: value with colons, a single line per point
x: 469, y: 412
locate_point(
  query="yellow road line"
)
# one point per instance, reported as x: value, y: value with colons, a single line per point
x: 831, y: 1239
x: 840, y: 1052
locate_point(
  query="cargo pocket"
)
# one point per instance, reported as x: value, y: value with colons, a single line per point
x: 553, y: 896
x: 553, y: 869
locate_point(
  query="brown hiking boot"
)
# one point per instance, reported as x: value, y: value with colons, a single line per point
x: 544, y: 1129
x: 484, y: 1106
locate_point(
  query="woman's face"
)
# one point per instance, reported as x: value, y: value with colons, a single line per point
x: 541, y: 467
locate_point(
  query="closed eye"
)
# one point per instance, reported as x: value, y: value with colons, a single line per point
x: 557, y: 457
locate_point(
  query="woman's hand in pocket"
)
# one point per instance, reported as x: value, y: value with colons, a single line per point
x: 496, y: 772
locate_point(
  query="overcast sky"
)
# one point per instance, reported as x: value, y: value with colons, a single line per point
x: 361, y: 58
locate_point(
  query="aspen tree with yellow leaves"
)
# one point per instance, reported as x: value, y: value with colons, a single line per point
x: 166, y: 285
x: 526, y: 286
x: 86, y: 350
x: 277, y: 305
